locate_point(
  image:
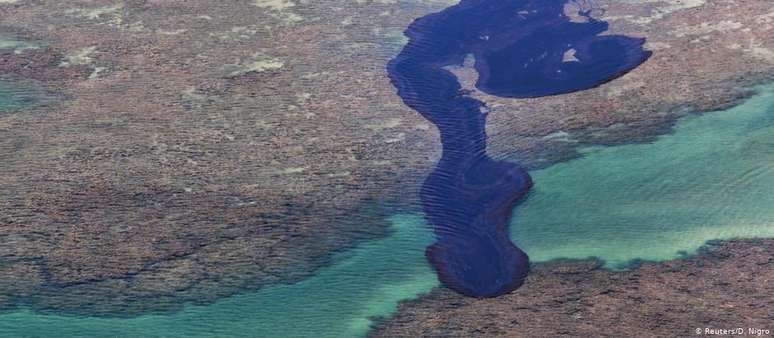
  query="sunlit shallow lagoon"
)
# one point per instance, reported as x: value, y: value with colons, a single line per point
x: 16, y: 45
x: 10, y: 99
x: 337, y: 302
x: 18, y: 95
x: 713, y: 178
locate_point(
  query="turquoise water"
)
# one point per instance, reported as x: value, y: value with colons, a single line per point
x: 15, y: 95
x: 8, y: 101
x: 713, y: 178
x: 337, y: 302
x: 18, y: 46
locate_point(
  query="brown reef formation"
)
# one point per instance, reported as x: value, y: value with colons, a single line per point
x: 199, y: 148
x: 728, y: 285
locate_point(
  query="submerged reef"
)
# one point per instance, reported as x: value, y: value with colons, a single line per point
x: 157, y: 96
x: 522, y: 49
x: 724, y: 285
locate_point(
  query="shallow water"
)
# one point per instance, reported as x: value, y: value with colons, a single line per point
x: 12, y: 43
x: 8, y: 101
x: 337, y: 302
x: 16, y: 95
x: 711, y: 179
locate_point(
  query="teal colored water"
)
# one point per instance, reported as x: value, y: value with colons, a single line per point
x: 14, y: 95
x: 337, y: 302
x: 18, y: 46
x: 713, y: 178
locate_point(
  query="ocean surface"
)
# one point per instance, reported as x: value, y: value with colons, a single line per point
x: 712, y: 178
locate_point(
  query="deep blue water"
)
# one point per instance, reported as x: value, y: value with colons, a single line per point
x: 519, y: 47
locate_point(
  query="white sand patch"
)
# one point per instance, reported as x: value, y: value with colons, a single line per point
x: 238, y: 32
x: 293, y: 170
x: 385, y: 124
x: 8, y: 1
x: 17, y: 46
x: 79, y: 57
x: 278, y: 9
x: 261, y: 124
x: 113, y: 14
x: 662, y: 9
x: 95, y: 74
x: 21, y: 49
x: 609, y: 18
x: 291, y: 18
x: 9, y: 44
x: 171, y: 32
x: 259, y: 63
x: 422, y: 126
x: 260, y: 66
x: 191, y: 95
x: 754, y: 49
x: 276, y: 5
x: 136, y: 27
x: 765, y: 18
x: 559, y: 136
x: 654, y: 45
x: 762, y: 53
x: 572, y: 10
x: 465, y: 73
x: 398, y: 138
x: 340, y: 174
x: 707, y: 27
x: 625, y: 86
x: 569, y: 55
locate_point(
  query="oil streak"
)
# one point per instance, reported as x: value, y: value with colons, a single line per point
x: 520, y: 48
